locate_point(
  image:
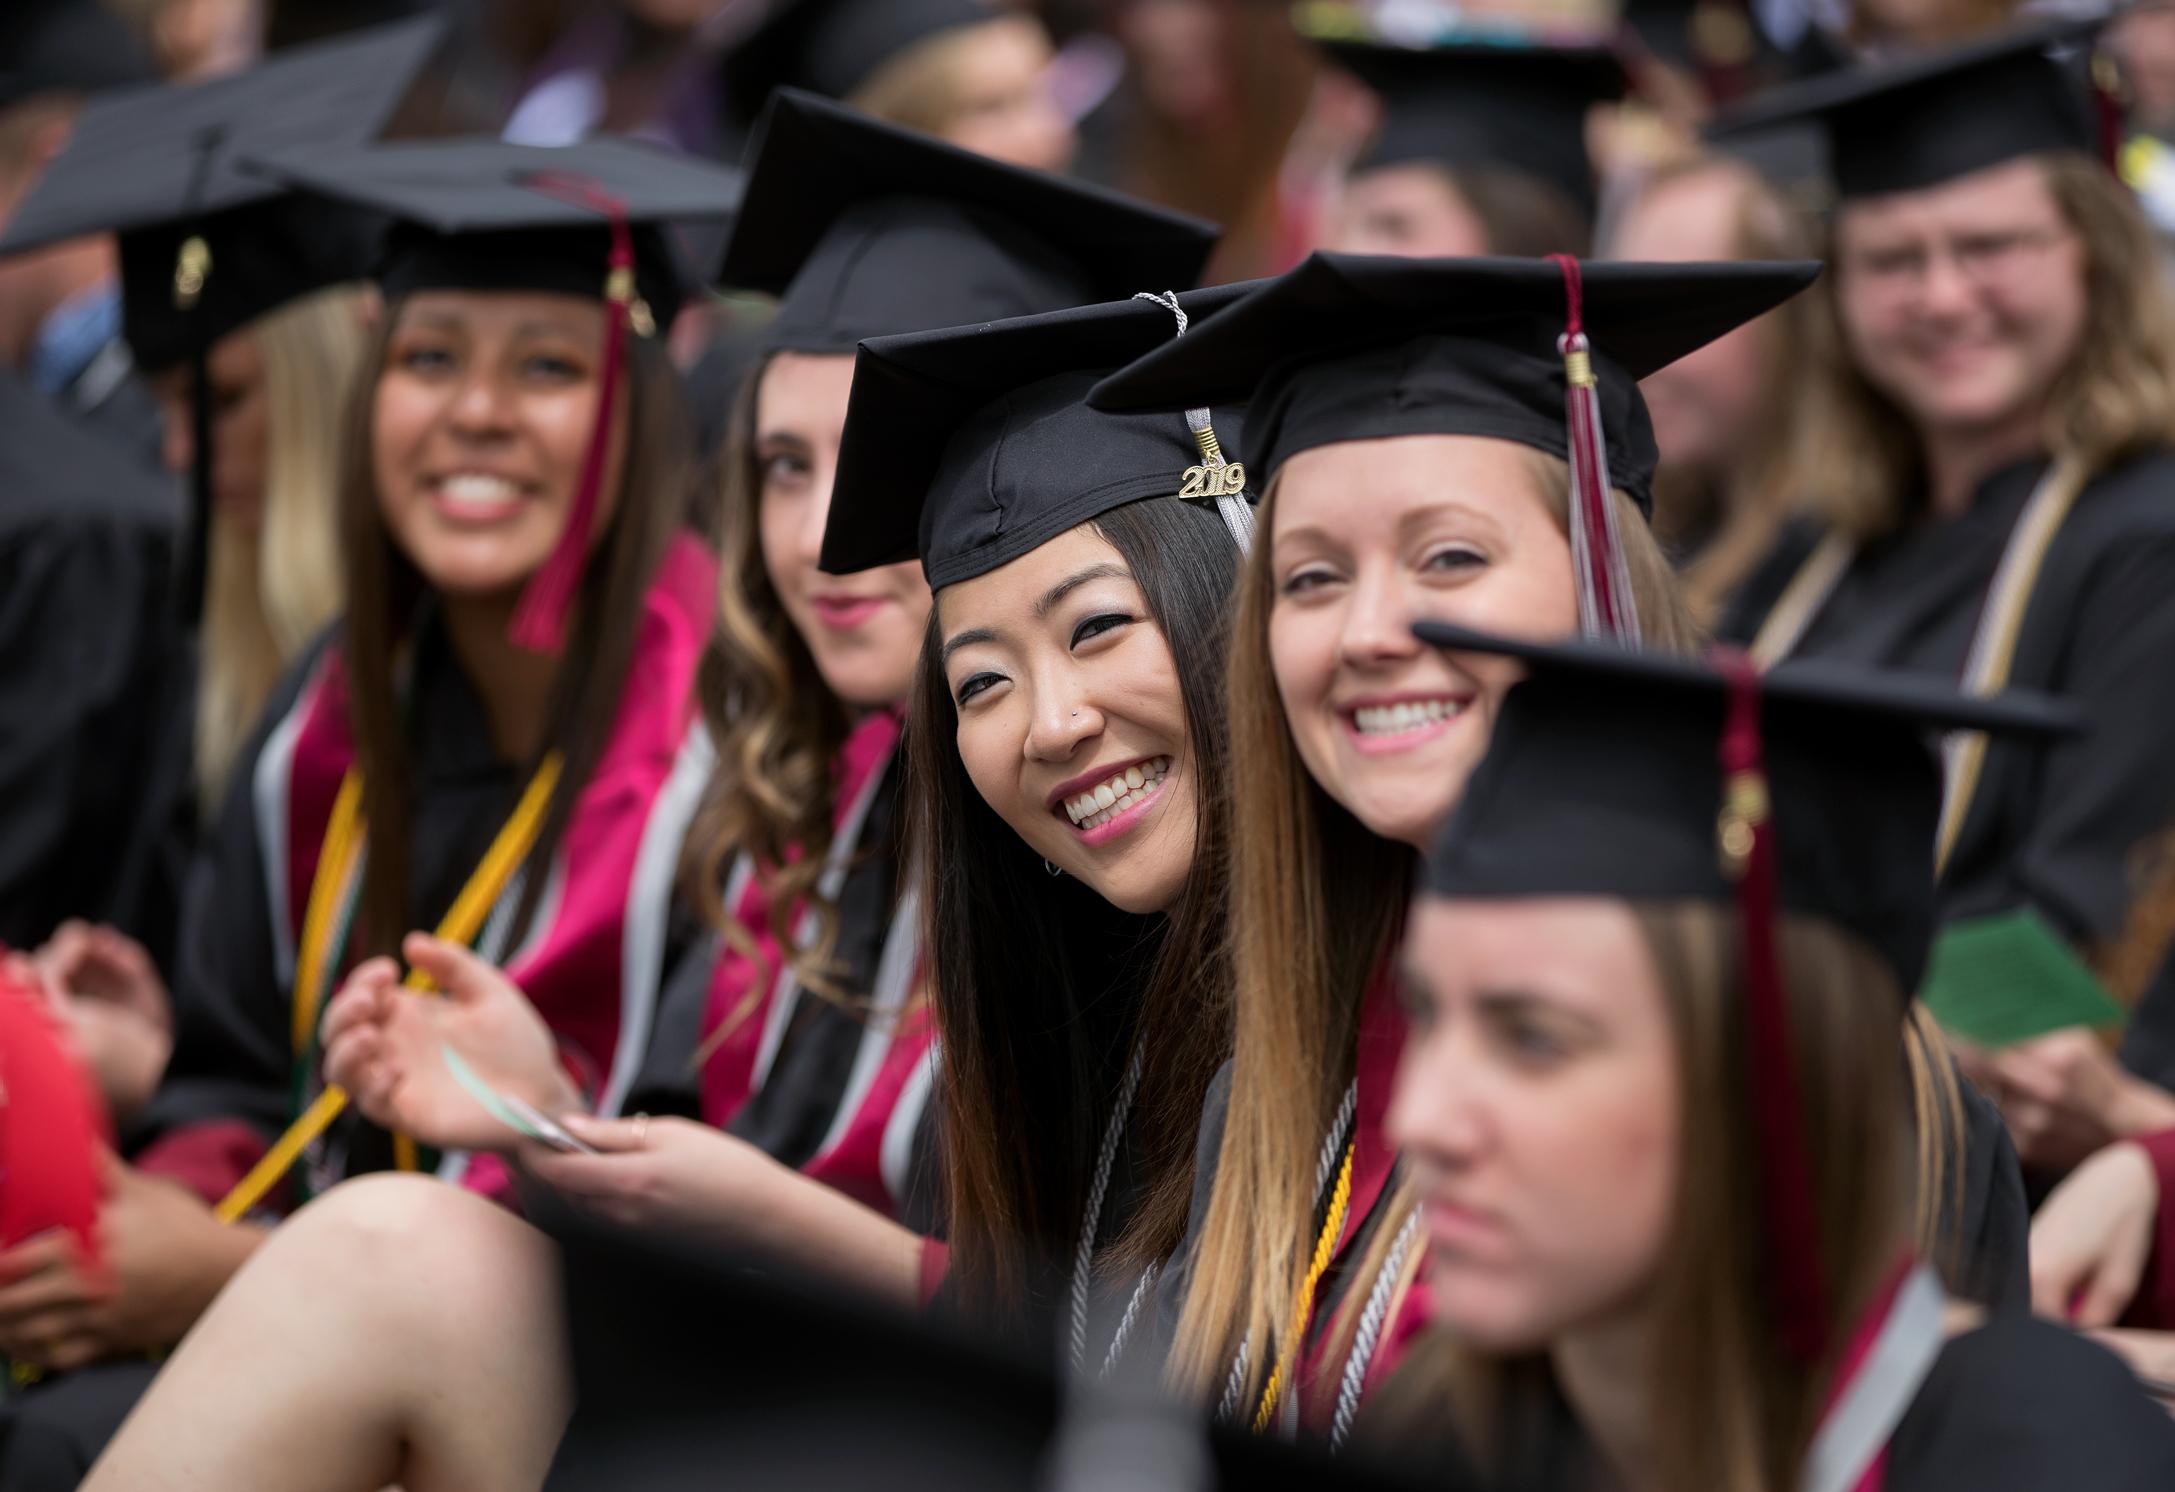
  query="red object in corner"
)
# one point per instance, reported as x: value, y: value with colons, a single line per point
x: 53, y: 1127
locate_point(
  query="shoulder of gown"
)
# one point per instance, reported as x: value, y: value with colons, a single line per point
x: 1983, y: 1250
x: 2024, y: 1404
x: 1741, y: 615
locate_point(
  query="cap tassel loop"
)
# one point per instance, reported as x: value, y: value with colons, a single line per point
x: 540, y: 617
x: 1605, y: 604
x: 1745, y: 834
x: 1216, y: 478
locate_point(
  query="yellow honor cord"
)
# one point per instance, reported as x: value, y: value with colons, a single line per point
x: 335, y: 867
x: 1325, y: 1249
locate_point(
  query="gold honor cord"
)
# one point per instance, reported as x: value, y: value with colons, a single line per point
x: 1325, y: 1249
x: 336, y: 869
x: 1993, y: 651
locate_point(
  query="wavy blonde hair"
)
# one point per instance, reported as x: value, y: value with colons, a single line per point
x: 1316, y: 903
x: 269, y: 592
x: 778, y: 729
x: 2115, y: 397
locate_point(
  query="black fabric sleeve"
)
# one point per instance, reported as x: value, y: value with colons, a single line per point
x: 2095, y: 797
x: 2021, y: 1405
x: 1984, y: 1243
x: 85, y: 653
x: 233, y: 1056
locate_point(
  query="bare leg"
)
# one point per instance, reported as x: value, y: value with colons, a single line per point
x: 398, y: 1330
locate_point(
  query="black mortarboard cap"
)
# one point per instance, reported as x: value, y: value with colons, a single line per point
x: 207, y: 245
x: 1603, y: 777
x: 164, y: 167
x: 973, y: 445
x: 866, y: 229
x: 66, y: 46
x: 486, y: 214
x: 1494, y: 100
x: 1356, y: 347
x: 1927, y: 118
x: 831, y: 47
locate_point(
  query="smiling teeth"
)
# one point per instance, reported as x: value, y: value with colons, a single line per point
x: 476, y: 487
x: 1106, y: 800
x: 1397, y: 720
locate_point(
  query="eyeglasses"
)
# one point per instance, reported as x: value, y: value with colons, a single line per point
x: 1982, y: 259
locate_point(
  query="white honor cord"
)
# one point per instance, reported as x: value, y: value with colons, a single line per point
x: 1236, y: 511
x: 1325, y: 1167
x: 1880, y: 1393
x: 1368, y: 1339
x: 1083, y: 1258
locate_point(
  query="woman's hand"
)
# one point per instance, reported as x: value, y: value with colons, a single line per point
x: 166, y: 1257
x: 2092, y: 1237
x: 383, y: 1043
x: 119, y: 1019
x: 671, y: 1173
x: 87, y: 963
x: 2065, y: 1097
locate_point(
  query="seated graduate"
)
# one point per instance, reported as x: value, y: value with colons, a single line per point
x: 1658, y: 1117
x: 1481, y: 145
x: 250, y: 339
x: 483, y: 745
x: 1076, y: 1181
x: 800, y: 1028
x: 1381, y: 378
x: 1992, y: 461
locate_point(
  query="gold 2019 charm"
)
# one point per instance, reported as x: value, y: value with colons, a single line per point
x: 1226, y: 480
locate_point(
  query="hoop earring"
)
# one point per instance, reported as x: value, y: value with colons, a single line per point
x: 1054, y: 869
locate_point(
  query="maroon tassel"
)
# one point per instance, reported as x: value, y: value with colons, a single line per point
x: 540, y: 617
x: 2107, y: 110
x: 1746, y: 835
x: 1605, y: 606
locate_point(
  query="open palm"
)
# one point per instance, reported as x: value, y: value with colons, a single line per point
x: 386, y: 1045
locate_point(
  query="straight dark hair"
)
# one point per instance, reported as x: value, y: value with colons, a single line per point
x: 386, y: 596
x: 1042, y: 989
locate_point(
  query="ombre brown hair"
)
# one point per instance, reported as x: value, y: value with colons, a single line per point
x: 1727, y: 1408
x: 386, y: 595
x: 1316, y: 904
x: 778, y: 729
x: 2115, y: 398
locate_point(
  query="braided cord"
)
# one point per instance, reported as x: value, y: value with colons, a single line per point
x: 1368, y: 1339
x: 1105, y: 1162
x: 1325, y: 1248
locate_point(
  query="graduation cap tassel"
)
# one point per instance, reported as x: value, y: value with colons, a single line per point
x: 540, y: 618
x: 2107, y: 110
x: 1745, y: 835
x: 1605, y: 605
x: 1224, y: 481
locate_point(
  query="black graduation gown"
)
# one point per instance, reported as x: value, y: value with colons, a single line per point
x: 790, y: 1115
x: 2018, y: 1405
x: 95, y: 681
x: 233, y: 1056
x: 2051, y: 827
